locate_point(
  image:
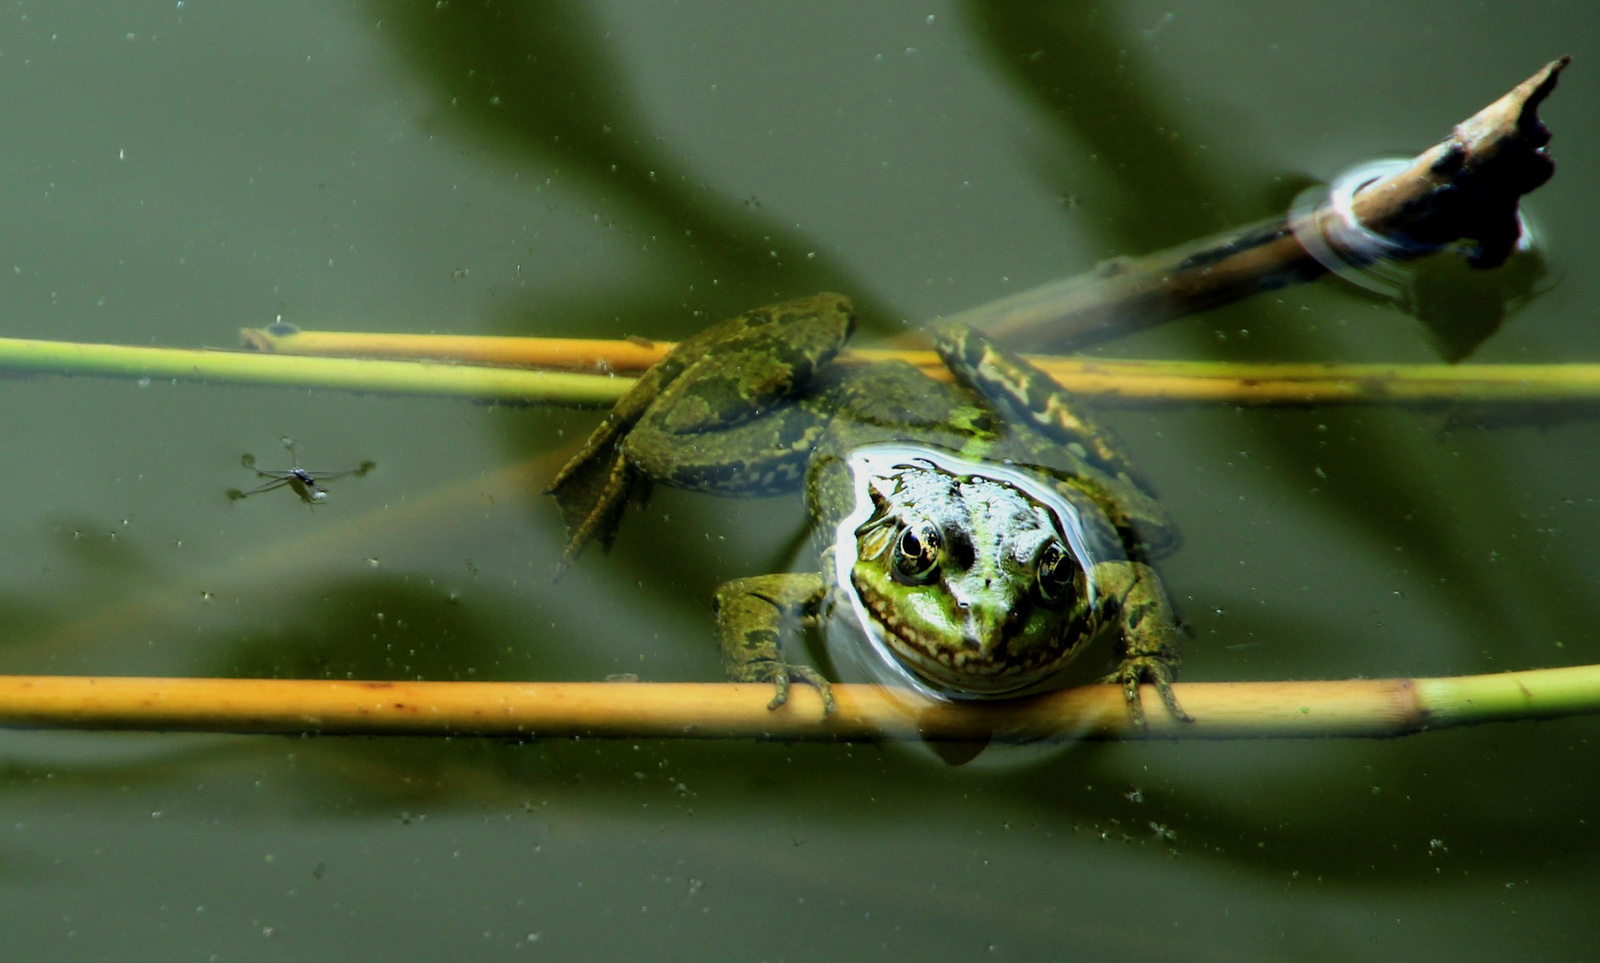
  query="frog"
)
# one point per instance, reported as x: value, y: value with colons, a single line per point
x: 983, y: 529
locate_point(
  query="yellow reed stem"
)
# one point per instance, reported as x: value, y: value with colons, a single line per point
x: 1222, y: 710
x: 1102, y: 378
x: 587, y: 354
x: 1132, y: 381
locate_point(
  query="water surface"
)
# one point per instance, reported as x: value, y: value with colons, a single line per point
x: 179, y: 170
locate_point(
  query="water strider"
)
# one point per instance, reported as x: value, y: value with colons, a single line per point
x: 981, y: 532
x: 304, y: 483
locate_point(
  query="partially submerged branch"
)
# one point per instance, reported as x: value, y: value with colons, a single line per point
x: 1466, y: 187
x: 1222, y: 710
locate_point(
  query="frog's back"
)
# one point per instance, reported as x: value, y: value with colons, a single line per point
x: 888, y: 402
x: 1002, y: 410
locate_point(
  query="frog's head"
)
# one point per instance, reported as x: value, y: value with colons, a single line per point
x: 971, y: 583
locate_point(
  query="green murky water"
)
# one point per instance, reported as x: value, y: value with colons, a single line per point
x: 177, y: 170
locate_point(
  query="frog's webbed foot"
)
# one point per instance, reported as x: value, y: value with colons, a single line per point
x: 593, y: 490
x: 752, y: 614
x: 594, y: 486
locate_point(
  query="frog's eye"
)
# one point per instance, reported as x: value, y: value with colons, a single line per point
x: 1057, y: 573
x: 916, y: 553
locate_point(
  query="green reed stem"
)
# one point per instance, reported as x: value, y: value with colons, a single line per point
x: 343, y: 374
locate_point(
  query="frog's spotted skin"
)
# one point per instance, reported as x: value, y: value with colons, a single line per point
x: 992, y: 528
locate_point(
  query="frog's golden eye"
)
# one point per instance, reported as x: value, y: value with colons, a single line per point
x: 916, y: 553
x: 1057, y: 573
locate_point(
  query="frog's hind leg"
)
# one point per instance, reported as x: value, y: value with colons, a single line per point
x: 1028, y: 397
x: 723, y: 381
x: 595, y: 485
x: 1031, y: 395
x: 753, y: 615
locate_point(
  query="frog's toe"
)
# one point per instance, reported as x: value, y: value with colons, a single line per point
x: 814, y: 679
x: 1136, y: 671
x: 781, y: 674
x: 781, y: 681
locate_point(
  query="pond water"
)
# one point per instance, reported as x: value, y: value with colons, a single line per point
x: 179, y: 170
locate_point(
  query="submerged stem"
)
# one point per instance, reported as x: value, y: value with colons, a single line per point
x: 25, y: 356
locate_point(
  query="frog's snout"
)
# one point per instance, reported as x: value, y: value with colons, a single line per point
x: 987, y: 626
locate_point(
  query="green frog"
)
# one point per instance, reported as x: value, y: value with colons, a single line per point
x: 982, y: 531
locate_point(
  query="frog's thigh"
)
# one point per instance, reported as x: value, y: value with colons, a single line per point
x: 1030, y: 394
x: 724, y: 389
x: 764, y: 455
x: 752, y: 615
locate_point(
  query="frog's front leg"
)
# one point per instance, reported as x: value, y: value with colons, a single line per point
x: 1149, y: 634
x: 753, y: 615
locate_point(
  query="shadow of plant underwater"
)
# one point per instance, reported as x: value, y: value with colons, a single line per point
x: 538, y: 80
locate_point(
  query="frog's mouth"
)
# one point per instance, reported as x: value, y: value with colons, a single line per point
x: 965, y: 670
